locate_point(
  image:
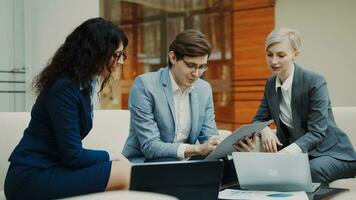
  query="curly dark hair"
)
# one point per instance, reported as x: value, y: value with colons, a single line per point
x: 86, y: 53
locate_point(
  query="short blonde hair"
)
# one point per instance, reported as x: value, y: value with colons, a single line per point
x: 284, y: 34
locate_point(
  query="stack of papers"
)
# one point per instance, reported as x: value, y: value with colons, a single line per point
x: 261, y: 195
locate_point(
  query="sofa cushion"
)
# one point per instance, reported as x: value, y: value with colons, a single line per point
x: 12, y: 126
x: 348, y: 183
x: 2, y: 195
x: 109, y: 132
x: 345, y: 118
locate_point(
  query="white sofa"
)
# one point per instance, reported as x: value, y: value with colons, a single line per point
x: 111, y: 128
x: 346, y: 120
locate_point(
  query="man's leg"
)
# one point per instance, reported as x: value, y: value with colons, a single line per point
x: 325, y: 169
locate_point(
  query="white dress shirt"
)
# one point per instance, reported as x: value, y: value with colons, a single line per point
x: 285, y: 109
x: 182, y: 116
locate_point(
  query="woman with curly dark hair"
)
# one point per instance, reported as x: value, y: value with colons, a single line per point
x: 49, y: 161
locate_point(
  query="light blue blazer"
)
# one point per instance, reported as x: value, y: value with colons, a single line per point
x: 152, y: 123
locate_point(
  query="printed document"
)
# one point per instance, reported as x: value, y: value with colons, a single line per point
x: 261, y: 195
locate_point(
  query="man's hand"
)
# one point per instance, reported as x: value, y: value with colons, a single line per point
x: 269, y: 140
x: 202, y: 149
x: 208, y: 146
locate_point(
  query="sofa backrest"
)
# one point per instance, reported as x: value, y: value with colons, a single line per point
x: 109, y: 132
x: 345, y: 118
x: 12, y: 125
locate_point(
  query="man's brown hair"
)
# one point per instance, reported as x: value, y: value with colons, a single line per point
x: 191, y: 43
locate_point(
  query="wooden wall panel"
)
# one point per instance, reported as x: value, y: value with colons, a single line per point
x: 252, y: 21
x: 225, y: 114
x: 251, y: 4
x: 244, y: 111
x: 250, y: 29
x: 238, y: 83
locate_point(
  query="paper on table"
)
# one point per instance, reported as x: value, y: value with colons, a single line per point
x: 261, y: 195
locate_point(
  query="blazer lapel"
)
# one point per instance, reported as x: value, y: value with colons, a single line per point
x: 86, y: 116
x: 194, y: 104
x: 276, y: 98
x: 296, y: 93
x: 167, y: 88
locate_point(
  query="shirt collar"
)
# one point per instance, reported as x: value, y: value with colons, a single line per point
x: 287, y: 83
x: 175, y: 86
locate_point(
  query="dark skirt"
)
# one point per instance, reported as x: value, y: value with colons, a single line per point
x: 26, y: 182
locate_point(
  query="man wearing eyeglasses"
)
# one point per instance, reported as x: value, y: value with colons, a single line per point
x: 172, y: 109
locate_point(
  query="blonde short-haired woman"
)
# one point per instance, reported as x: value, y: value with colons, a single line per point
x: 298, y: 101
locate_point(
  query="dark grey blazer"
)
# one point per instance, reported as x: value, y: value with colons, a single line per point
x: 315, y: 130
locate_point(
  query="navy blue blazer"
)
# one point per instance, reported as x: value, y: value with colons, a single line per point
x: 316, y: 132
x: 60, y: 119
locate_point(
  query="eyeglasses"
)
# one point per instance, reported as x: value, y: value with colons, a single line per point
x: 117, y: 55
x: 192, y: 66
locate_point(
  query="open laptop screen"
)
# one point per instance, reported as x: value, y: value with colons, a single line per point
x: 275, y: 172
x: 186, y: 180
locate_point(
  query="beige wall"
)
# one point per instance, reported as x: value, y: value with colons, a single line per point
x: 328, y: 29
x: 30, y: 33
x: 47, y: 24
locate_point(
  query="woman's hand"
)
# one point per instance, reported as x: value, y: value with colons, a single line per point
x: 269, y: 140
x: 247, y: 145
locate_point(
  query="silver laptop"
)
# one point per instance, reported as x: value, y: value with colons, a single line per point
x: 274, y: 172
